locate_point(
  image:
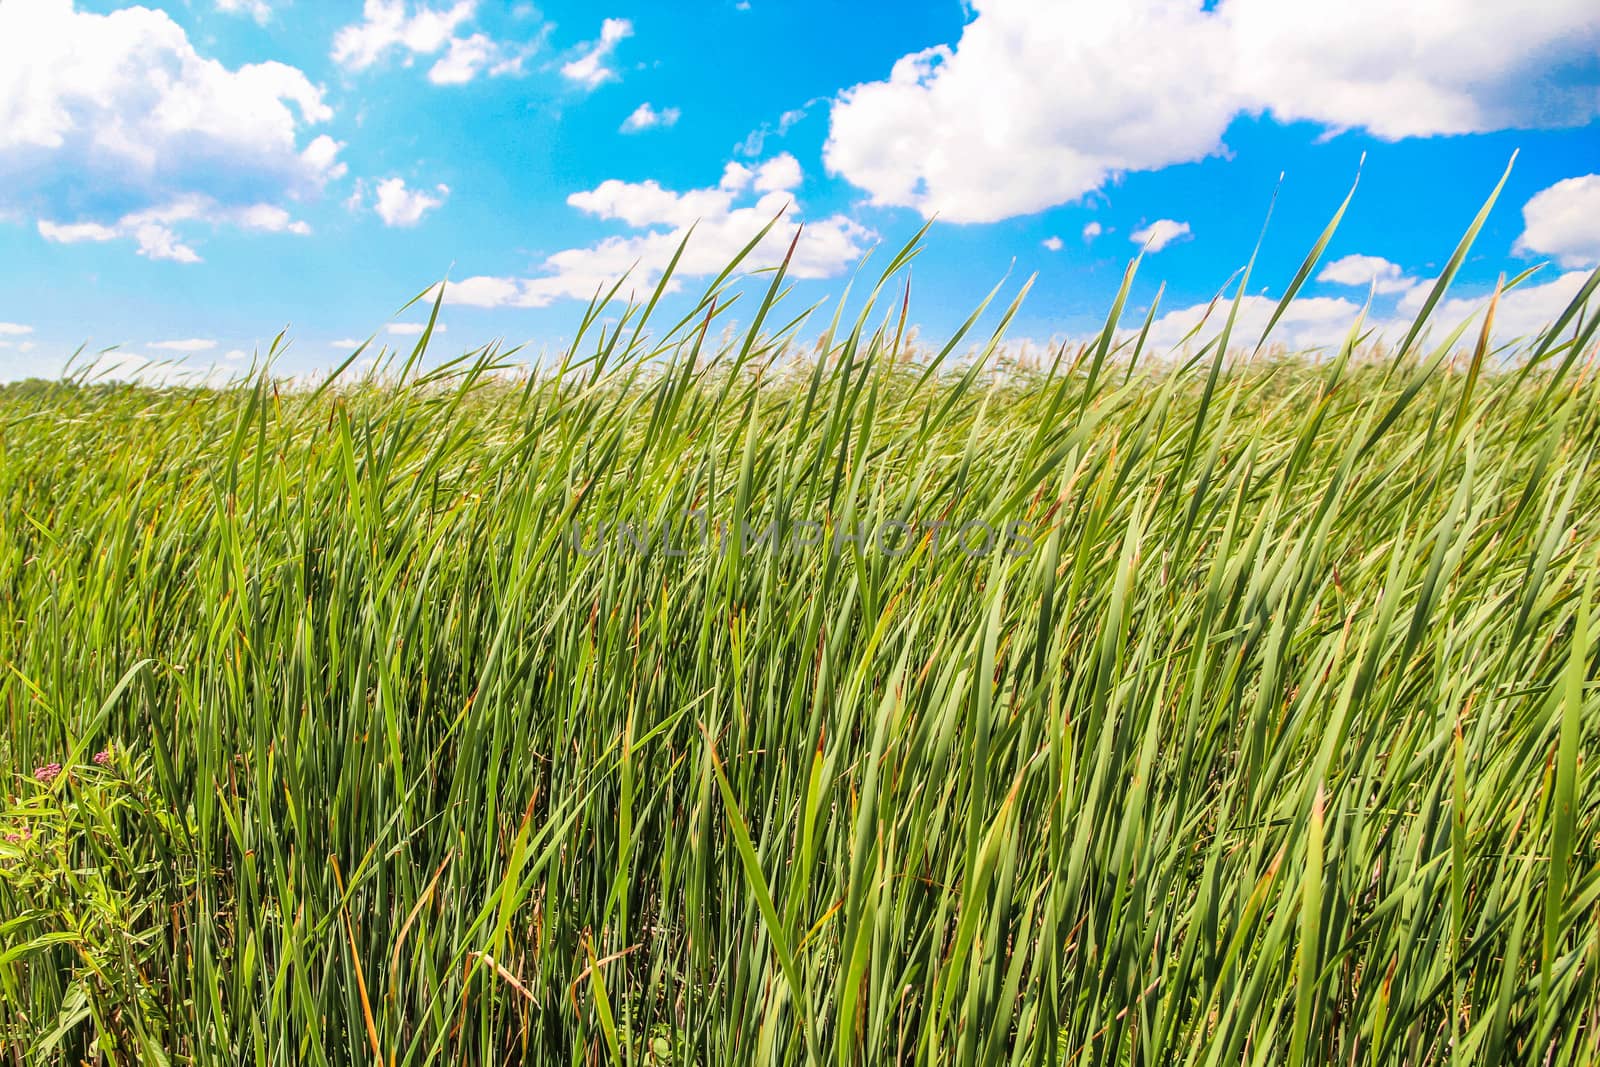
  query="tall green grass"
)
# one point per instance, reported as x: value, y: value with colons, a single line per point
x: 1277, y: 745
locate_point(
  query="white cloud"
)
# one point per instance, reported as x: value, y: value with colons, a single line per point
x: 394, y: 26
x: 14, y: 329
x: 1040, y: 102
x: 409, y: 329
x: 645, y: 117
x: 1325, y: 322
x: 399, y: 206
x: 483, y: 292
x: 112, y: 118
x: 1364, y: 271
x: 155, y: 240
x: 465, y: 59
x: 724, y: 216
x: 346, y: 343
x: 1091, y: 230
x: 270, y: 218
x: 1522, y: 312
x: 1160, y: 233
x: 320, y: 155
x: 589, y: 69
x: 119, y: 365
x: 153, y: 228
x: 647, y: 203
x: 1043, y: 101
x: 735, y: 176
x: 386, y: 27
x: 1412, y: 299
x: 236, y: 355
x: 194, y: 344
x: 1308, y: 322
x: 259, y: 10
x: 74, y: 232
x: 1564, y: 221
x: 470, y: 56
x: 781, y: 172
x: 1053, y: 243
x: 1418, y: 70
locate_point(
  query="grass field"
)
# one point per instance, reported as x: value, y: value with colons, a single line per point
x: 1263, y: 730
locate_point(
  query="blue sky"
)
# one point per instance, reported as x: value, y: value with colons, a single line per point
x: 187, y: 178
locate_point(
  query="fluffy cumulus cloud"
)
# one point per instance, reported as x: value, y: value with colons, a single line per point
x: 391, y: 28
x: 400, y: 206
x: 777, y: 174
x: 1367, y: 271
x: 154, y: 230
x: 9, y: 334
x: 645, y: 117
x: 1417, y: 70
x: 1040, y: 102
x: 1324, y: 322
x: 1043, y: 101
x: 1091, y: 230
x: 1522, y: 312
x: 590, y: 69
x: 193, y: 344
x: 125, y: 366
x: 1308, y: 322
x: 724, y: 217
x: 1159, y: 234
x: 1564, y: 221
x: 114, y: 126
x: 259, y: 10
x: 1052, y: 243
x: 467, y: 57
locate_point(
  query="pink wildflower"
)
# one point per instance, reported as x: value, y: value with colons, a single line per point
x: 102, y: 758
x: 47, y: 773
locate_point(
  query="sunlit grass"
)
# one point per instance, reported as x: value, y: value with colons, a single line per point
x: 1275, y: 743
